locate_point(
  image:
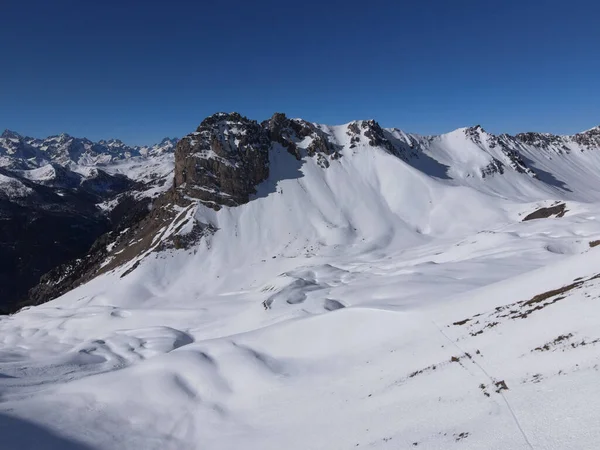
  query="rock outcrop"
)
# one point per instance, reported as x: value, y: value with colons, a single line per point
x: 302, y: 138
x: 369, y: 131
x: 223, y: 161
x: 589, y: 139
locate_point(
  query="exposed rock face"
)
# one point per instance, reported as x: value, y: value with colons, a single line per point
x: 223, y: 161
x: 301, y: 138
x: 371, y: 132
x: 288, y: 132
x: 374, y: 132
x: 492, y: 168
x: 474, y: 133
x: 589, y: 139
x: 557, y: 210
x: 505, y: 144
x: 228, y: 156
x: 544, y: 141
x: 515, y: 159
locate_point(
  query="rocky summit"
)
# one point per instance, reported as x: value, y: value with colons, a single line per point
x: 223, y: 160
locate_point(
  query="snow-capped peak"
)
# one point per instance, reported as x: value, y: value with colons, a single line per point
x: 9, y: 134
x: 595, y: 129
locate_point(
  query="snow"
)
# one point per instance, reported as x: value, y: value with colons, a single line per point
x: 371, y: 304
x: 210, y: 154
x: 147, y: 171
x: 13, y: 188
x: 40, y: 174
x: 37, y: 159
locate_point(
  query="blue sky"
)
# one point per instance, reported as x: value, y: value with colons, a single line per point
x: 140, y: 71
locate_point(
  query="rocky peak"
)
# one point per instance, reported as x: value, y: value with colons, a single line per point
x: 223, y: 161
x: 276, y: 124
x: 222, y: 118
x: 533, y: 138
x: 281, y: 124
x: 112, y: 143
x: 18, y: 149
x: 475, y: 133
x: 168, y: 141
x: 595, y: 130
x: 60, y: 138
x: 543, y: 141
x: 9, y: 134
x: 372, y: 133
x: 282, y: 129
x: 588, y: 139
x: 290, y: 133
x: 229, y: 134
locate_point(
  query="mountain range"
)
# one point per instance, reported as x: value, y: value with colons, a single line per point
x: 227, y: 158
x: 58, y: 195
x: 21, y: 152
x: 291, y: 284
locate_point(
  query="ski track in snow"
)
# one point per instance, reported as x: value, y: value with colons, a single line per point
x: 492, y: 380
x: 367, y: 305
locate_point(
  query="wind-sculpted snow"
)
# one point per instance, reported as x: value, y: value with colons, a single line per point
x: 393, y: 297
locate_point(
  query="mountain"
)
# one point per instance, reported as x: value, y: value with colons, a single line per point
x: 66, y: 150
x: 303, y: 286
x: 59, y: 194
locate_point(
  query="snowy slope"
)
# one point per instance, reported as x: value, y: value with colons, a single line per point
x: 388, y: 295
x: 13, y: 188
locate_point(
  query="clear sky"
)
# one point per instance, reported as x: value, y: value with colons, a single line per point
x: 143, y: 70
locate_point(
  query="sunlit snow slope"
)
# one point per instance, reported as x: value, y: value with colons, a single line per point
x: 388, y: 297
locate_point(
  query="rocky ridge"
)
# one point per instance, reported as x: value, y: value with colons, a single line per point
x: 223, y: 162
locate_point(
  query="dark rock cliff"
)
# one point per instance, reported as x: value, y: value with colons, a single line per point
x: 223, y: 161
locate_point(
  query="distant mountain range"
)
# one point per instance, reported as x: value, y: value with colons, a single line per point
x: 59, y: 194
x: 21, y: 152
